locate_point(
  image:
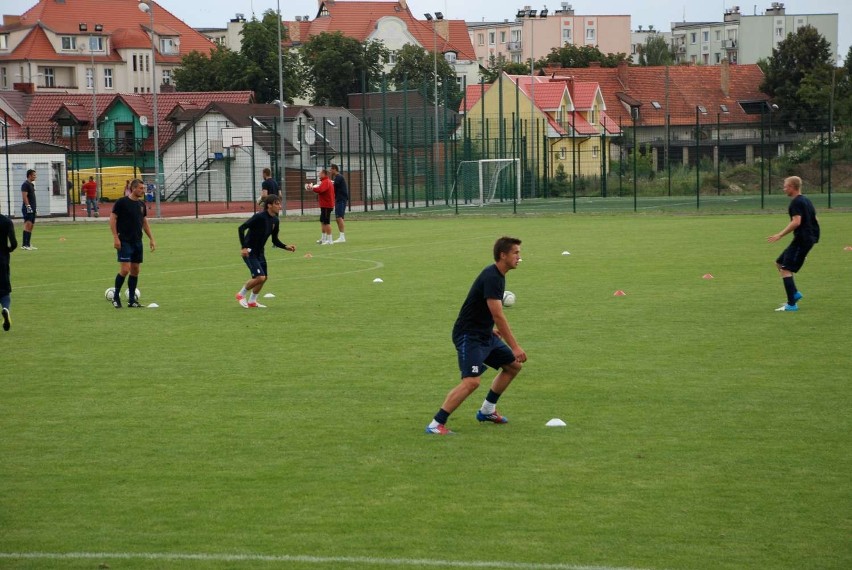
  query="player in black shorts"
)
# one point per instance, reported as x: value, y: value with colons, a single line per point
x: 8, y: 243
x: 127, y: 222
x: 341, y: 199
x: 805, y: 228
x: 477, y: 343
x: 28, y: 208
x: 253, y: 236
x: 268, y: 186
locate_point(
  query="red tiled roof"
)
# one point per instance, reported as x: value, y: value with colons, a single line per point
x: 357, y: 19
x: 121, y: 20
x: 689, y: 87
x: 548, y: 96
x: 39, y: 126
x: 584, y: 95
x: 580, y: 124
x: 610, y: 125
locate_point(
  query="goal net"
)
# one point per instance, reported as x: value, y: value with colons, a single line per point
x: 481, y: 182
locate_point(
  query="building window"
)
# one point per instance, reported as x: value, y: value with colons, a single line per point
x: 566, y: 35
x: 718, y: 57
x: 516, y: 35
x: 90, y: 80
x: 491, y: 37
x: 69, y: 43
x: 595, y: 150
x: 502, y: 37
x: 108, y: 78
x: 96, y: 43
x: 590, y: 33
x: 49, y: 77
x: 693, y: 37
x: 563, y: 153
x: 169, y: 46
x: 718, y: 35
x: 391, y: 60
x: 705, y: 58
x: 147, y: 62
x: 4, y: 41
x: 3, y: 79
x: 779, y: 32
x: 135, y: 67
x: 480, y: 39
x: 516, y: 58
x: 167, y: 77
x: 705, y: 37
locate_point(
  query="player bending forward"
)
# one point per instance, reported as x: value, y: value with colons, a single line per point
x: 253, y: 235
x: 479, y: 345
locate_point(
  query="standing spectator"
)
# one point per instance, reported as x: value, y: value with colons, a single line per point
x: 325, y: 192
x: 253, y: 236
x: 341, y: 198
x: 268, y: 186
x: 805, y: 228
x: 28, y: 208
x: 127, y: 188
x: 127, y: 222
x: 477, y: 343
x: 91, y: 190
x: 8, y: 243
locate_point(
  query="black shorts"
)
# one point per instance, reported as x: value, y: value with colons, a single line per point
x: 5, y: 282
x: 794, y: 256
x: 256, y: 265
x: 130, y: 252
x: 477, y: 354
x: 325, y: 215
x: 340, y: 209
x: 28, y: 217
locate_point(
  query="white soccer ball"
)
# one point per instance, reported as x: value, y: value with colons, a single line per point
x: 127, y: 294
x: 508, y: 298
x: 109, y: 293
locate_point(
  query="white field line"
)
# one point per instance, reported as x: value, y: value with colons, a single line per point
x: 398, y: 562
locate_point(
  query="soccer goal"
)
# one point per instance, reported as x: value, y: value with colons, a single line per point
x: 481, y: 182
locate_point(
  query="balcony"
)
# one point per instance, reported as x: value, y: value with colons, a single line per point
x: 681, y: 49
x: 513, y: 46
x: 729, y: 44
x: 120, y: 145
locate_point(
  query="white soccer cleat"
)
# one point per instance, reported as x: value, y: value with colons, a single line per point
x: 340, y: 240
x: 255, y: 305
x: 244, y: 303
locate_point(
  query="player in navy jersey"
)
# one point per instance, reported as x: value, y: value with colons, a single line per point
x: 805, y: 228
x: 28, y: 208
x: 341, y: 199
x: 269, y: 185
x: 479, y: 345
x: 253, y: 236
x: 127, y: 222
x: 8, y: 243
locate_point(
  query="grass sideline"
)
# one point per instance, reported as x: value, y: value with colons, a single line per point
x: 704, y: 429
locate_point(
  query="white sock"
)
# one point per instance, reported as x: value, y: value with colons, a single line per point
x: 433, y: 424
x: 488, y: 408
x: 243, y: 292
x: 253, y: 298
x: 342, y: 236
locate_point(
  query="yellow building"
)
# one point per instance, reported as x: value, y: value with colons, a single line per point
x: 566, y: 119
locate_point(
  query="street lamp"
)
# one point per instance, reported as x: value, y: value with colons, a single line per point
x: 98, y: 28
x: 438, y: 16
x: 531, y: 14
x: 281, y: 113
x: 148, y: 6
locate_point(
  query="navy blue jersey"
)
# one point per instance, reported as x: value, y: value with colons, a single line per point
x: 129, y: 215
x: 28, y: 188
x: 341, y: 191
x: 271, y: 187
x: 808, y: 230
x: 257, y: 229
x: 474, y: 317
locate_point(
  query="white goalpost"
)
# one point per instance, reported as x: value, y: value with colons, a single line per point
x: 481, y: 182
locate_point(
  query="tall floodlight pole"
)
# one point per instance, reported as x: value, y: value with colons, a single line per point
x: 96, y: 133
x: 438, y: 16
x: 148, y: 6
x: 281, y: 112
x: 531, y: 14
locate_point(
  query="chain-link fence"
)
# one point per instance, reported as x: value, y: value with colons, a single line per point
x: 399, y: 152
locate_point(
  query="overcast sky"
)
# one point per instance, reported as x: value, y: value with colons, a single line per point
x: 659, y: 13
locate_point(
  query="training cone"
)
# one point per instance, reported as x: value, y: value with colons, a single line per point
x: 619, y: 293
x: 707, y: 276
x: 566, y: 253
x: 378, y: 280
x: 848, y: 248
x: 269, y: 296
x: 555, y: 422
x: 153, y: 306
x: 308, y: 256
x: 62, y: 239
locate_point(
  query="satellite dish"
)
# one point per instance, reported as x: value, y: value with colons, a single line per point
x: 310, y: 136
x: 143, y: 120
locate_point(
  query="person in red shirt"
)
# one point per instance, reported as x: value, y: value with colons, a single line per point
x: 91, y: 190
x: 325, y: 193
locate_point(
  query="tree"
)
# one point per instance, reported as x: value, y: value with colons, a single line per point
x: 573, y: 56
x: 798, y: 78
x: 335, y: 65
x: 415, y: 66
x: 497, y: 65
x: 655, y: 51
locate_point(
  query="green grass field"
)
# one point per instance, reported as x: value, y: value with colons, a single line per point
x: 705, y: 430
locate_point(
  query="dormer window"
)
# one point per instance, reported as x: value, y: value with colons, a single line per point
x: 69, y: 43
x: 450, y: 56
x: 169, y: 46
x: 4, y: 41
x: 96, y: 43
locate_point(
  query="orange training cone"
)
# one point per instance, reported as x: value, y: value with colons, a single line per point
x: 707, y: 276
x: 619, y: 293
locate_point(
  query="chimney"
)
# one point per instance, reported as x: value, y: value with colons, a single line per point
x: 570, y: 81
x: 725, y: 79
x: 294, y: 32
x: 11, y: 20
x: 442, y: 27
x: 623, y: 74
x: 28, y: 88
x: 403, y: 4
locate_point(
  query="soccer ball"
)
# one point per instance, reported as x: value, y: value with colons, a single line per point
x: 127, y: 294
x: 109, y: 293
x: 508, y: 298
